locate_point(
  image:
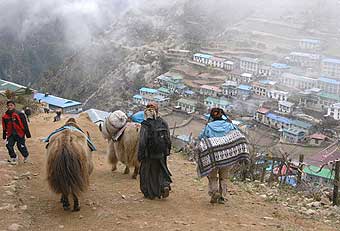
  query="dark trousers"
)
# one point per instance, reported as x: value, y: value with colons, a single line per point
x: 20, y: 145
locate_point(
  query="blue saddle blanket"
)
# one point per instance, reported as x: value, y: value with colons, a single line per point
x: 89, y: 142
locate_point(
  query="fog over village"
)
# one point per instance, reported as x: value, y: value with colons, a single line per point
x: 273, y: 66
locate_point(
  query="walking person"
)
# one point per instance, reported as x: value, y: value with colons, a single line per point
x: 219, y: 126
x: 15, y: 128
x: 28, y: 113
x: 154, y: 148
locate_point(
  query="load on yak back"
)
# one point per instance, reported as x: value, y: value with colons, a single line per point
x: 137, y: 117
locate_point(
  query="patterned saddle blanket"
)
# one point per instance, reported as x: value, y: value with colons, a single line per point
x: 89, y: 142
x: 219, y: 152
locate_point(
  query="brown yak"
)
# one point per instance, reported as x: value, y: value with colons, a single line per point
x: 123, y: 140
x: 69, y: 163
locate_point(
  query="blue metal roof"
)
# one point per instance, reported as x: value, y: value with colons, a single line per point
x: 138, y: 97
x: 266, y: 81
x: 315, y: 41
x: 148, y: 90
x: 279, y: 118
x: 204, y: 56
x: 331, y: 81
x: 244, y: 87
x: 138, y: 117
x: 189, y: 92
x: 280, y: 65
x: 55, y: 101
x: 330, y: 60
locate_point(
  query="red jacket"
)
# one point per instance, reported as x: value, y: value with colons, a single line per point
x: 15, y: 122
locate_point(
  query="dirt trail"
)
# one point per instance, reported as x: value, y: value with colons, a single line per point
x: 114, y: 201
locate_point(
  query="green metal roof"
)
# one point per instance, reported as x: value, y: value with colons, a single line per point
x: 329, y: 96
x: 324, y: 173
x: 187, y: 101
x: 6, y: 85
x: 218, y: 101
x: 164, y: 90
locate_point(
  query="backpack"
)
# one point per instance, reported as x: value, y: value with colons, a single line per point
x: 159, y: 143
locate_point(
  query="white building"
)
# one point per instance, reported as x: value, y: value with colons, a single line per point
x: 187, y: 105
x: 310, y: 44
x: 304, y: 59
x: 278, y: 95
x: 216, y: 62
x: 247, y: 77
x: 334, y: 111
x: 228, y: 65
x: 249, y: 65
x: 331, y: 67
x: 277, y: 69
x: 285, y: 106
x: 229, y: 88
x: 298, y: 81
x: 202, y: 58
x: 208, y: 90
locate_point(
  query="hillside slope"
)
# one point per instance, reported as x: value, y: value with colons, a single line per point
x: 114, y: 201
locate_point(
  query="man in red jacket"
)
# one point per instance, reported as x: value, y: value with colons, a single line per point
x: 15, y: 129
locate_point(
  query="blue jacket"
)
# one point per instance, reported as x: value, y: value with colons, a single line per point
x: 216, y: 128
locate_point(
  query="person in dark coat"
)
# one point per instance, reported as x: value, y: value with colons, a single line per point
x: 15, y: 128
x: 28, y: 113
x: 154, y: 148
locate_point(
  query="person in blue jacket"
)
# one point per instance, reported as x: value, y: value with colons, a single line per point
x: 218, y: 126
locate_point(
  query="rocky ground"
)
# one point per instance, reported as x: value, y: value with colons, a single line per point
x: 114, y: 201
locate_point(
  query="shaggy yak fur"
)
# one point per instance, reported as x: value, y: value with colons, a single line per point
x: 125, y: 149
x: 69, y: 164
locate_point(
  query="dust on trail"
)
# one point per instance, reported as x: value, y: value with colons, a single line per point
x: 114, y: 201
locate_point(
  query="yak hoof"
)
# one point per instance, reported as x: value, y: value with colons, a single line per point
x: 134, y: 176
x: 114, y: 168
x: 66, y: 208
x: 76, y: 209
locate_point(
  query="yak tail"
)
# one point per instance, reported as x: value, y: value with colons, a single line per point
x: 67, y: 172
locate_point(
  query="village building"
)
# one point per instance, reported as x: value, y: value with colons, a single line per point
x: 176, y: 56
x: 246, y: 78
x: 146, y: 99
x: 326, y: 99
x: 211, y: 102
x: 202, y: 58
x: 301, y: 125
x: 244, y: 91
x: 277, y: 122
x: 208, y: 90
x: 261, y: 115
x: 262, y: 87
x: 328, y: 85
x: 277, y: 69
x: 216, y: 62
x: 163, y: 91
x: 310, y: 44
x: 304, y: 59
x: 330, y: 67
x: 264, y: 71
x: 298, y: 81
x: 187, y: 105
x: 292, y: 135
x: 229, y: 88
x: 56, y: 103
x: 234, y: 75
x: 317, y: 139
x: 277, y: 95
x: 228, y: 65
x: 145, y: 91
x: 13, y: 87
x: 249, y: 65
x: 172, y: 81
x: 286, y: 107
x: 334, y: 111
